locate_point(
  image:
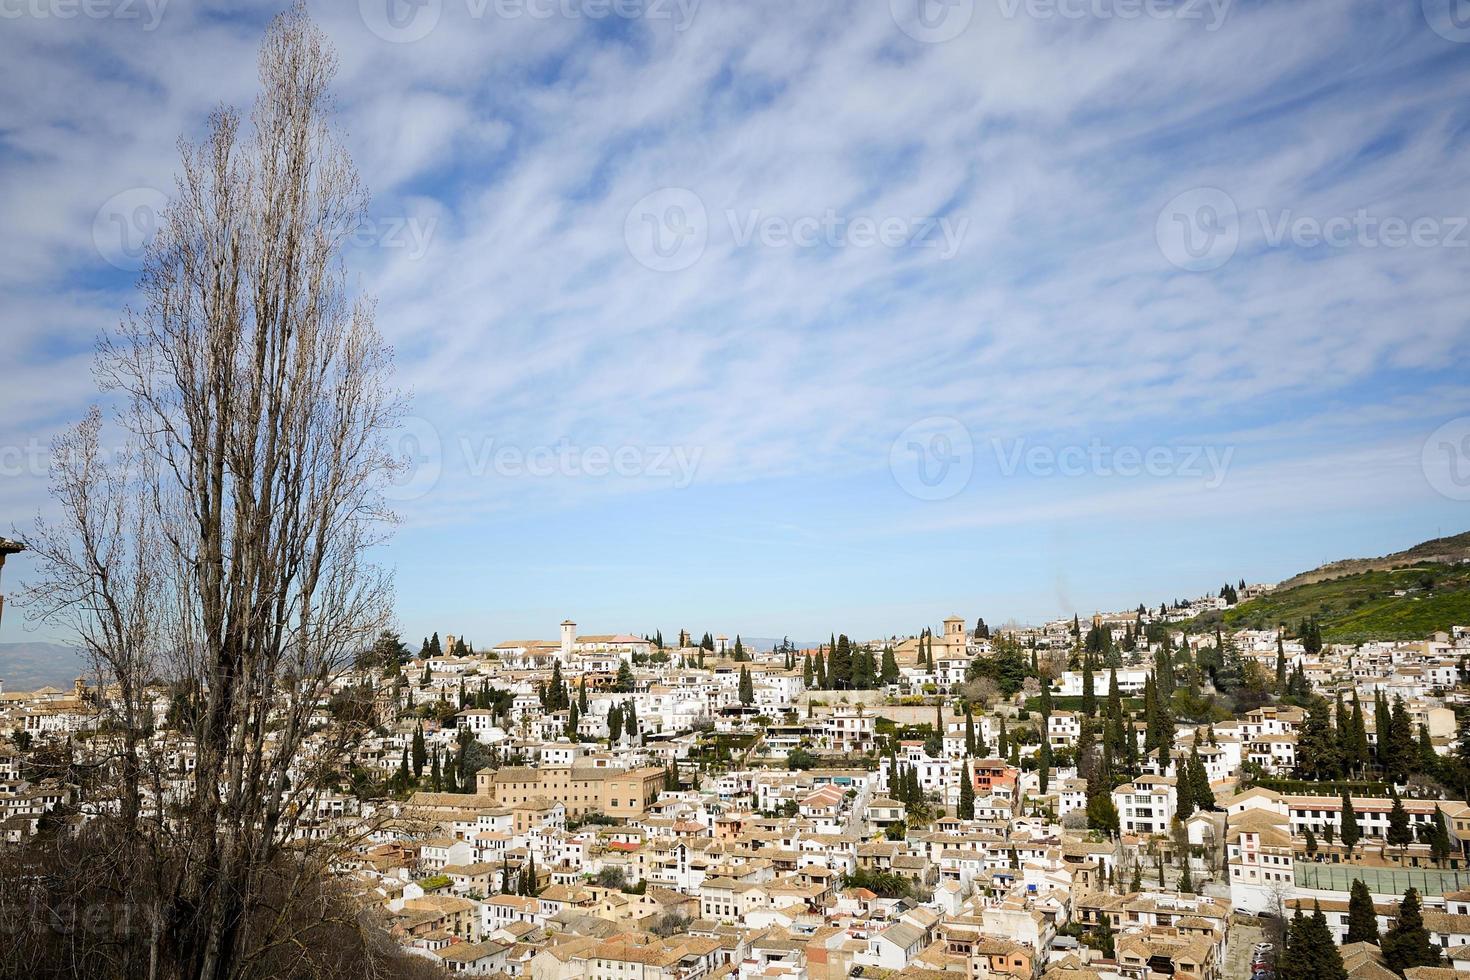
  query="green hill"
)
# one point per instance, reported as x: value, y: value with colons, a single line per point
x: 1399, y: 597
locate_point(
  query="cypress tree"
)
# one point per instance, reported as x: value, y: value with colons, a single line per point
x: 1293, y: 962
x: 1089, y: 697
x: 1358, y: 738
x: 1402, y: 757
x: 531, y: 888
x: 1439, y: 840
x: 1183, y: 789
x: 1380, y: 726
x: 889, y: 671
x: 1398, y: 834
x: 1322, y: 948
x: 1350, y: 832
x: 1428, y: 758
x: 1407, y: 943
x: 1199, y: 779
x: 969, y: 730
x: 420, y: 752
x: 1362, y: 917
x: 967, y: 793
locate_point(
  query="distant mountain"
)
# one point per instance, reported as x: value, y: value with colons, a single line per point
x: 27, y: 666
x: 1403, y: 596
x: 767, y: 643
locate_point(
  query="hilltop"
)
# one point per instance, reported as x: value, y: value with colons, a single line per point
x: 1402, y: 596
x: 1440, y: 551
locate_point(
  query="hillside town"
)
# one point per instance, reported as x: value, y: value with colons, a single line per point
x: 1121, y: 797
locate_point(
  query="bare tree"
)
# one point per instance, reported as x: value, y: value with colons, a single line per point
x: 224, y: 551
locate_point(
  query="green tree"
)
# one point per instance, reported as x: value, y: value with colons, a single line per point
x: 1291, y: 963
x: 1356, y: 743
x: 1184, y: 804
x: 420, y: 752
x: 1321, y: 948
x: 1399, y: 835
x: 1318, y: 752
x: 625, y: 682
x: 1101, y: 813
x: 967, y: 793
x: 889, y: 672
x: 1362, y: 916
x: 1349, y: 832
x: 863, y: 675
x: 1407, y: 943
x: 1199, y: 782
x: 747, y: 687
x: 1401, y: 758
x: 1439, y: 839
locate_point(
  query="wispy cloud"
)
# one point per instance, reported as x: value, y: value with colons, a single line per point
x: 887, y: 229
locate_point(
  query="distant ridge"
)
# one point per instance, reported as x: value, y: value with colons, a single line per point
x: 1450, y: 551
x: 767, y: 643
x: 27, y: 666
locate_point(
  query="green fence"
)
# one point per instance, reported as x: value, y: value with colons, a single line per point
x: 1380, y: 881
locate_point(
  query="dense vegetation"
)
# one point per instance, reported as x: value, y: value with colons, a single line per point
x: 1365, y: 605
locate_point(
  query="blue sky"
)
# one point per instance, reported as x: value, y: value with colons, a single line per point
x: 785, y: 318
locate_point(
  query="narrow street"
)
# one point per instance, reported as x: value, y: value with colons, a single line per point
x: 1238, y: 949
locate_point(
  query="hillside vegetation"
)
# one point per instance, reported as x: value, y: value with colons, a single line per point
x: 1436, y: 551
x: 1402, y: 603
